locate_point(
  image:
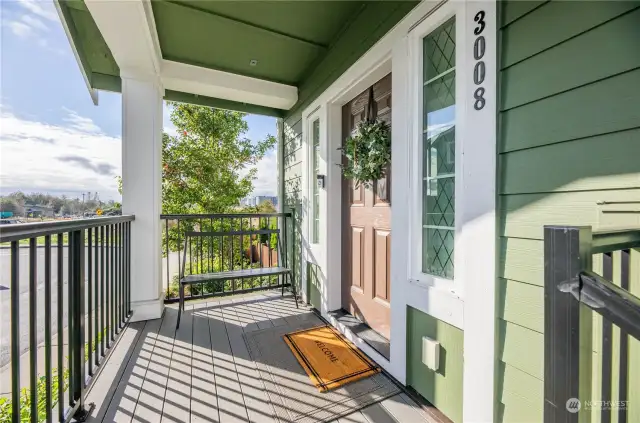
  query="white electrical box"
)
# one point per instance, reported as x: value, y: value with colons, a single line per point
x: 431, y: 353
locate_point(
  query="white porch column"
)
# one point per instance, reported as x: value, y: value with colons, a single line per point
x: 141, y: 189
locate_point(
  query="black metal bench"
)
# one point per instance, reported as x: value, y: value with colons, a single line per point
x: 226, y: 275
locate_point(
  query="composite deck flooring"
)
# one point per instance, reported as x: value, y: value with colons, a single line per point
x: 203, y: 371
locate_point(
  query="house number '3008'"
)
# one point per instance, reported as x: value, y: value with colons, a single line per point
x: 479, y: 70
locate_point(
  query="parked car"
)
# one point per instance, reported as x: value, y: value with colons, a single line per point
x: 9, y: 221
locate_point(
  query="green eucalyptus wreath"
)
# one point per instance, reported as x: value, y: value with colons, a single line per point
x: 367, y: 152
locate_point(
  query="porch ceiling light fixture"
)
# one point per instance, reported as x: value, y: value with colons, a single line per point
x: 253, y: 62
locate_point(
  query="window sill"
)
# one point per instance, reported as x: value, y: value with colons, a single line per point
x: 441, y: 303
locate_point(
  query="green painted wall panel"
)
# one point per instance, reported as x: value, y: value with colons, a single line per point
x: 603, y: 162
x: 569, y: 133
x: 521, y: 348
x: 292, y: 158
x: 512, y: 10
x: 521, y: 303
x: 571, y: 64
x: 523, y: 215
x: 605, y: 106
x: 521, y: 395
x: 521, y: 260
x: 444, y: 387
x: 561, y: 23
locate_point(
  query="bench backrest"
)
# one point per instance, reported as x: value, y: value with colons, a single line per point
x: 222, y: 234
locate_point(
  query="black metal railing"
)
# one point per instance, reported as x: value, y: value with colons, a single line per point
x: 92, y: 258
x: 587, y: 282
x: 238, y: 241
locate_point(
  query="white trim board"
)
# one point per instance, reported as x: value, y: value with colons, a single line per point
x: 471, y: 304
x: 227, y: 86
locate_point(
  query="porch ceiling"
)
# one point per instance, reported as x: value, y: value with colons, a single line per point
x: 288, y: 39
x: 284, y: 37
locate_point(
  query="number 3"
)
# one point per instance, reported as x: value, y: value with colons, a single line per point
x: 480, y: 19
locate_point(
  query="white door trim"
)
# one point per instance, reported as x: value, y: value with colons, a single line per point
x: 475, y: 313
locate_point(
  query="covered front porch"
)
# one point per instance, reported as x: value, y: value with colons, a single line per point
x: 205, y: 371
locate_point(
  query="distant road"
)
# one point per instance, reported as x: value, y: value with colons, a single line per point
x: 5, y: 294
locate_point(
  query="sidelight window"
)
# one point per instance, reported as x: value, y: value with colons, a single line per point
x: 315, y: 151
x: 438, y: 160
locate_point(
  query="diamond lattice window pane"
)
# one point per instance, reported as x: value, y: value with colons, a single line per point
x: 438, y: 190
x: 439, y: 198
x: 437, y: 245
x: 440, y: 50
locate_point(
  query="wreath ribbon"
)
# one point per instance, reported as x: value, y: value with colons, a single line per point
x: 368, y: 117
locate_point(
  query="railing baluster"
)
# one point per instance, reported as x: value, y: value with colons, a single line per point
x: 623, y: 387
x: 118, y: 275
x: 112, y: 304
x: 121, y: 272
x: 15, y: 331
x: 84, y: 323
x: 166, y: 243
x: 77, y: 370
x: 89, y: 297
x: 128, y: 242
x: 102, y: 292
x: 70, y: 322
x: 33, y: 327
x: 47, y: 326
x: 60, y: 316
x: 96, y: 278
x: 107, y: 282
x: 607, y: 346
x: 242, y: 251
x: 181, y: 253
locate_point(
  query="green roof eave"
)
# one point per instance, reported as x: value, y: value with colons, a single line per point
x: 74, y: 40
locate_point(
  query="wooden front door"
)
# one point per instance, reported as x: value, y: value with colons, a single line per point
x: 366, y: 230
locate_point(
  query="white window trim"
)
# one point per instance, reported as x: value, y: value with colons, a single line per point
x: 312, y: 182
x: 313, y: 252
x: 455, y: 287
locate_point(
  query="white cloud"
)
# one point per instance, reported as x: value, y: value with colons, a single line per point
x: 266, y: 182
x: 20, y: 29
x: 80, y: 123
x: 42, y: 9
x: 34, y: 22
x: 41, y: 157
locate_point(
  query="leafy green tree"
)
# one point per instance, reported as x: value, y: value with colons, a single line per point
x: 209, y: 166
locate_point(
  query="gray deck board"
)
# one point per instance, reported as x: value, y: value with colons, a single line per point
x: 179, y: 381
x: 203, y: 372
x: 204, y: 399
x: 230, y: 400
x: 154, y: 386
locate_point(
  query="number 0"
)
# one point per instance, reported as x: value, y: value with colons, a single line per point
x: 479, y: 48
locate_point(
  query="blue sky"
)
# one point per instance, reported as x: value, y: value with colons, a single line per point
x: 52, y: 138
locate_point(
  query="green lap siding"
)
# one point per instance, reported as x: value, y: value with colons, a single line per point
x: 569, y: 149
x: 292, y: 202
x: 442, y: 388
